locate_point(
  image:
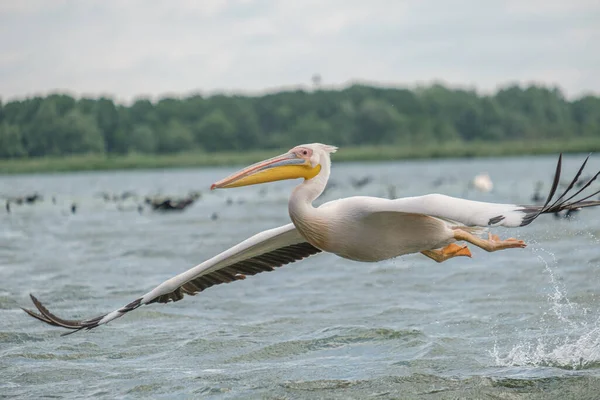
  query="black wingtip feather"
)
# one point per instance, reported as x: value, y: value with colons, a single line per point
x: 38, y: 316
x: 556, y: 180
x: 53, y: 320
x: 588, y: 183
x: 573, y: 182
x: 562, y: 203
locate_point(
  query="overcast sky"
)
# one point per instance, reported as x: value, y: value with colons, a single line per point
x: 129, y: 48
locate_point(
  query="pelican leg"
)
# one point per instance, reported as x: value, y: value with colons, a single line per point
x: 493, y: 243
x: 448, y: 252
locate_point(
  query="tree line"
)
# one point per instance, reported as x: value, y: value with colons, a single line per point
x: 59, y: 124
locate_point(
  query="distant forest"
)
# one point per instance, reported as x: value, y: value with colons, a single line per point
x: 59, y: 124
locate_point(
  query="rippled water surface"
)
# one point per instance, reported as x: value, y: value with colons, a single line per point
x: 520, y: 323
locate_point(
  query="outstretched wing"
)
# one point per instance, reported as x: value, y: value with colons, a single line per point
x: 262, y: 252
x: 477, y: 213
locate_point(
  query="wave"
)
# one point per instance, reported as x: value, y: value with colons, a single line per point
x: 577, y: 348
x: 333, y: 338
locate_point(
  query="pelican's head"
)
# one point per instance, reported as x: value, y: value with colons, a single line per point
x: 304, y: 161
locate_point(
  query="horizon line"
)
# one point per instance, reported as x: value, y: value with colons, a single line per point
x: 297, y: 87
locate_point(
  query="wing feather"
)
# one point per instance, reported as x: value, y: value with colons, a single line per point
x: 483, y: 214
x: 260, y: 253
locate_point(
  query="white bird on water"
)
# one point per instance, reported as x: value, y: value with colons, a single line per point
x: 358, y: 228
x: 483, y: 182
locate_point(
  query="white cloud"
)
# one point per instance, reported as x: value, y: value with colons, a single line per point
x: 135, y: 47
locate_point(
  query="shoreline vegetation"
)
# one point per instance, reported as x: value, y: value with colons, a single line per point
x: 456, y: 149
x: 59, y: 132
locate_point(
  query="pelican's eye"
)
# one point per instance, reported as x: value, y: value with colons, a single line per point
x: 304, y: 153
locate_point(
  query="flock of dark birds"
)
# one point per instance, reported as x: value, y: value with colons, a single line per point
x: 157, y: 203
x: 173, y: 204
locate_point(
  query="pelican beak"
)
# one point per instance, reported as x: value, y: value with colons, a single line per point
x: 285, y: 166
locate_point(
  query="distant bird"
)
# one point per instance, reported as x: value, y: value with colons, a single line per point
x: 73, y: 208
x: 537, y: 196
x: 443, y: 180
x: 483, y: 182
x: 7, y: 206
x: 195, y: 195
x: 568, y: 214
x: 105, y: 196
x: 360, y: 182
x: 391, y: 192
x: 330, y: 185
x: 171, y: 204
x: 438, y: 182
x: 582, y: 181
x: 127, y: 194
x: 359, y: 228
x: 33, y: 198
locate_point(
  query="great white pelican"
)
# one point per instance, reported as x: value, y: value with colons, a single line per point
x: 358, y: 228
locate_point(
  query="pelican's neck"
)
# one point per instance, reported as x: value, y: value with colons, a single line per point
x: 300, y: 204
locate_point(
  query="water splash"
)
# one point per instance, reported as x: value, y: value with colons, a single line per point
x: 578, y: 348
